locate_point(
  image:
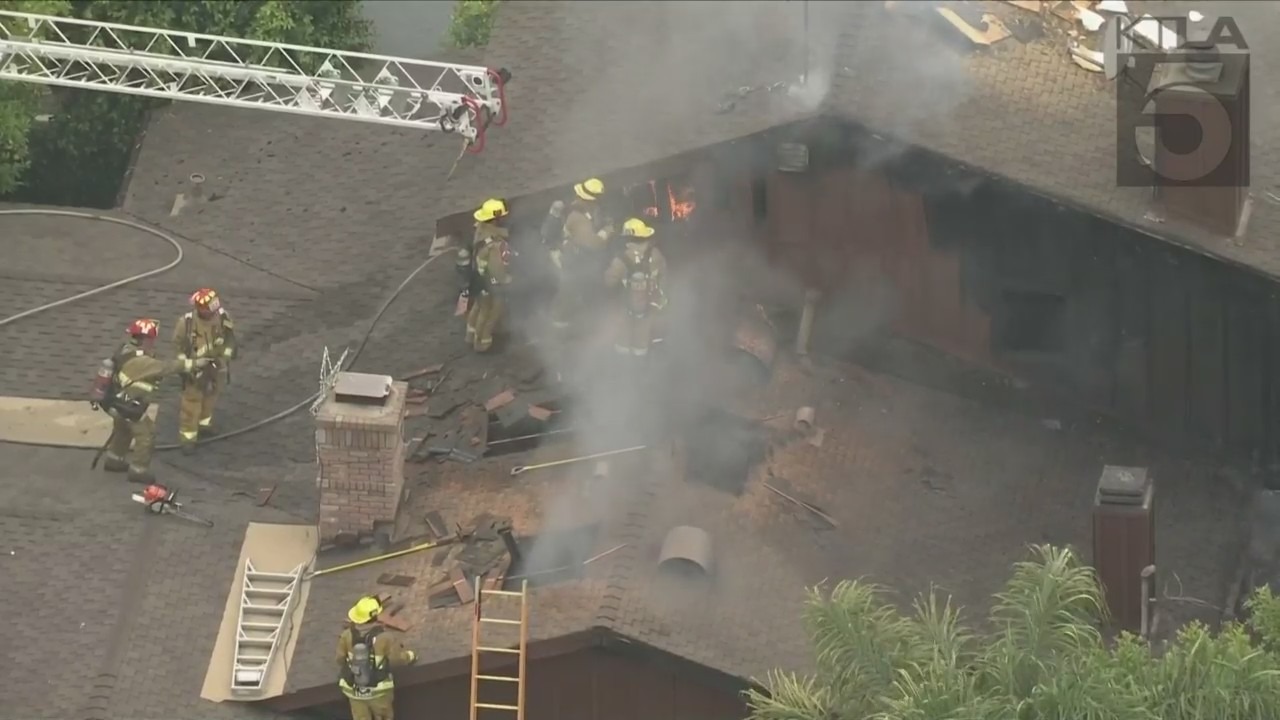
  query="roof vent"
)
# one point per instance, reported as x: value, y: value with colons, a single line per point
x: 793, y: 157
x: 686, y: 552
x: 1202, y: 160
x: 362, y: 388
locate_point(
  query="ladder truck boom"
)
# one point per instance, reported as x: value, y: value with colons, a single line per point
x: 176, y: 65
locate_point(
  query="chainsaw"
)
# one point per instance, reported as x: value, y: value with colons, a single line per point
x: 161, y: 500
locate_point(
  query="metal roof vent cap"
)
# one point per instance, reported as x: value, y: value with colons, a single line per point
x: 1202, y: 60
x: 686, y: 552
x: 793, y: 157
x: 196, y: 182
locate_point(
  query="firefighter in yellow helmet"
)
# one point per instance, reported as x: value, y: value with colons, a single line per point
x: 640, y: 269
x: 491, y: 256
x: 581, y: 255
x: 135, y: 375
x: 206, y: 332
x: 367, y: 654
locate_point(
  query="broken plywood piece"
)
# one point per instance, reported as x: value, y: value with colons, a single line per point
x: 395, y: 622
x: 994, y: 32
x: 461, y: 585
x: 1090, y: 60
x: 429, y: 370
x: 501, y: 400
x: 493, y: 579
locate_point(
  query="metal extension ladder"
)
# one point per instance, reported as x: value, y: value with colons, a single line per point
x: 236, y: 72
x: 519, y: 650
x: 266, y: 601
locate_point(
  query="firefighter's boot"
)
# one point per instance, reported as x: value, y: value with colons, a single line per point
x: 143, y: 476
x: 115, y: 464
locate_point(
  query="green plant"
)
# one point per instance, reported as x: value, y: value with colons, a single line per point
x: 472, y: 22
x: 80, y: 157
x: 1043, y: 660
x: 19, y: 105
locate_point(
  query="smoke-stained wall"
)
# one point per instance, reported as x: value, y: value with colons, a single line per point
x: 1179, y: 344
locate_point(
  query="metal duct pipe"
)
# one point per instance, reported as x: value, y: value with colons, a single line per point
x: 197, y: 187
x: 806, y: 321
x: 1148, y: 599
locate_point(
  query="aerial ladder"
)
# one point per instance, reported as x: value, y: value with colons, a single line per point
x: 234, y: 72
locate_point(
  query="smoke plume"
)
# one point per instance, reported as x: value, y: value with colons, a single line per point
x: 662, y: 75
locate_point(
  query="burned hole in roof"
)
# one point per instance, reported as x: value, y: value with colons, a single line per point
x: 552, y: 557
x: 526, y: 424
x: 721, y: 449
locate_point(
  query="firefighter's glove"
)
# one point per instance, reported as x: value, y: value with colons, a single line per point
x: 555, y: 258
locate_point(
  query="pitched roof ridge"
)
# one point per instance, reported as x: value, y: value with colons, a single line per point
x: 625, y: 559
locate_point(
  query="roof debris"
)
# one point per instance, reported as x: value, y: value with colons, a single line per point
x: 993, y: 31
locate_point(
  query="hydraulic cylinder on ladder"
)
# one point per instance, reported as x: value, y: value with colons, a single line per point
x: 177, y: 65
x: 487, y: 683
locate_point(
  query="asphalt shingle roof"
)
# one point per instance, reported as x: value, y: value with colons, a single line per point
x: 600, y: 86
x: 629, y: 83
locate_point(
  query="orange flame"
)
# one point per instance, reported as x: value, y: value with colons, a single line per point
x: 682, y: 204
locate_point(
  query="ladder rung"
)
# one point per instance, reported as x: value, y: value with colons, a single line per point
x: 503, y: 678
x: 508, y: 593
x: 276, y: 577
x: 490, y: 706
x: 500, y: 621
x: 511, y: 651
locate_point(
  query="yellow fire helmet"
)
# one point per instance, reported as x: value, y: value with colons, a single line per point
x: 365, y: 610
x: 589, y: 189
x: 492, y: 209
x: 635, y: 227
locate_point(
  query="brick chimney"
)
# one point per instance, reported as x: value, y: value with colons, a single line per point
x: 360, y: 449
x: 1207, y: 186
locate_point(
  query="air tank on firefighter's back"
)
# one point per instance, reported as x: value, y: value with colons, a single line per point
x: 102, y: 380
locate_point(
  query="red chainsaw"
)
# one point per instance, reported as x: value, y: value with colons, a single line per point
x: 161, y: 500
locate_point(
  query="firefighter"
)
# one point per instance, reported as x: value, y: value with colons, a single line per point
x: 641, y: 270
x: 137, y: 373
x: 491, y: 255
x: 208, y: 332
x: 366, y: 657
x: 581, y: 254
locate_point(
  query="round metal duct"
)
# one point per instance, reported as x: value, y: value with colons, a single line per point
x: 793, y: 157
x: 686, y: 551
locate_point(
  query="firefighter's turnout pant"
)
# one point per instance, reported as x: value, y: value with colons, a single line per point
x: 132, y: 445
x: 199, y: 397
x: 636, y: 336
x: 378, y: 708
x: 483, y: 318
x: 579, y: 286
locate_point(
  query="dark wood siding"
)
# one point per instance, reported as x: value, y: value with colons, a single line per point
x: 864, y: 241
x: 592, y: 684
x: 1180, y: 344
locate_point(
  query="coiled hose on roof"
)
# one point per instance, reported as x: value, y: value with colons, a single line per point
x: 165, y: 268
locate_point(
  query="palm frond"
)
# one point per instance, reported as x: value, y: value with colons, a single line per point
x: 1049, y: 607
x: 859, y: 641
x: 937, y: 637
x: 790, y: 697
